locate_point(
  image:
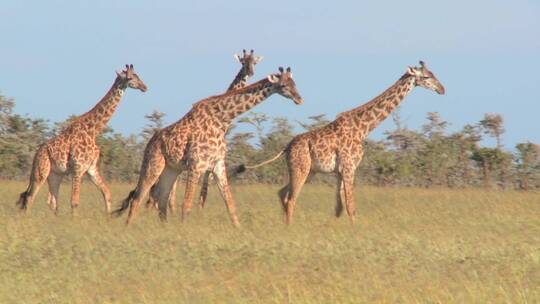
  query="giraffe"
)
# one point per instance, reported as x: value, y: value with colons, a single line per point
x: 75, y: 151
x: 248, y: 62
x: 196, y: 143
x: 338, y: 146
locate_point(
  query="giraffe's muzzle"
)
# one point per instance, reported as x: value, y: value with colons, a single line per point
x: 440, y: 89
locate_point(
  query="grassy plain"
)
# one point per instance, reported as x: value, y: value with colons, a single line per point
x: 408, y: 246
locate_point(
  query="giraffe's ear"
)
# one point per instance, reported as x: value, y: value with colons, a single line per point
x: 273, y: 78
x: 411, y: 71
x: 257, y: 59
x: 237, y: 57
x: 119, y: 74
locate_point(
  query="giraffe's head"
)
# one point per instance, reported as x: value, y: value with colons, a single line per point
x: 425, y: 78
x: 248, y: 62
x: 130, y: 79
x: 285, y: 86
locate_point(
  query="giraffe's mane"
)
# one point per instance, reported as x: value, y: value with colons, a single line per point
x: 233, y: 92
x: 106, y: 97
x: 376, y: 99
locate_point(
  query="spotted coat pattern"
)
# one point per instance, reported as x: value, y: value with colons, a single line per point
x: 74, y: 150
x: 248, y: 61
x: 337, y: 147
x: 196, y: 143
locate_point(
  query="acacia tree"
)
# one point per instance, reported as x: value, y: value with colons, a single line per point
x: 489, y: 159
x: 434, y: 155
x: 257, y: 120
x: 527, y: 165
x: 377, y: 166
x: 19, y: 139
x: 316, y: 122
x: 280, y: 134
x: 493, y: 125
x: 403, y: 146
x: 463, y: 144
x: 155, y: 123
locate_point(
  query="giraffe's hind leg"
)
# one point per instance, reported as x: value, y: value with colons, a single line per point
x: 346, y: 172
x: 152, y: 168
x: 298, y: 179
x: 299, y: 167
x: 283, y: 194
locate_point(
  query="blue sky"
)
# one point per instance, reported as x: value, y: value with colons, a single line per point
x: 58, y: 57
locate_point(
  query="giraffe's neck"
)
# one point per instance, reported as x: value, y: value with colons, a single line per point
x: 228, y: 106
x: 98, y: 117
x: 239, y: 81
x: 371, y: 114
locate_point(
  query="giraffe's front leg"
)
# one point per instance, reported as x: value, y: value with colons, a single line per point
x: 340, y: 196
x: 54, y: 180
x: 166, y: 183
x: 97, y: 179
x: 194, y: 175
x: 346, y: 172
x: 223, y: 185
x: 153, y: 198
x: 204, y: 189
x: 172, y: 196
x: 76, y: 181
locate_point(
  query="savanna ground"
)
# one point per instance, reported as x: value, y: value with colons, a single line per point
x: 408, y: 245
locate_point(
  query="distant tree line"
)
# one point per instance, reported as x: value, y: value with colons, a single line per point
x: 429, y: 157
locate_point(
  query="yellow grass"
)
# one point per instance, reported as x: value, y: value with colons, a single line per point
x: 408, y: 246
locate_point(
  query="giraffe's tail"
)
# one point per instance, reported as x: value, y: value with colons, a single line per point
x: 243, y: 167
x: 22, y: 203
x: 36, y: 176
x: 126, y: 203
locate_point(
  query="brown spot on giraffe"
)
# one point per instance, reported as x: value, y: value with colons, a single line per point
x: 75, y: 151
x: 163, y: 163
x: 337, y: 147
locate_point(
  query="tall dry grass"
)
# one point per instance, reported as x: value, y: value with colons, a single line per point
x: 408, y: 246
